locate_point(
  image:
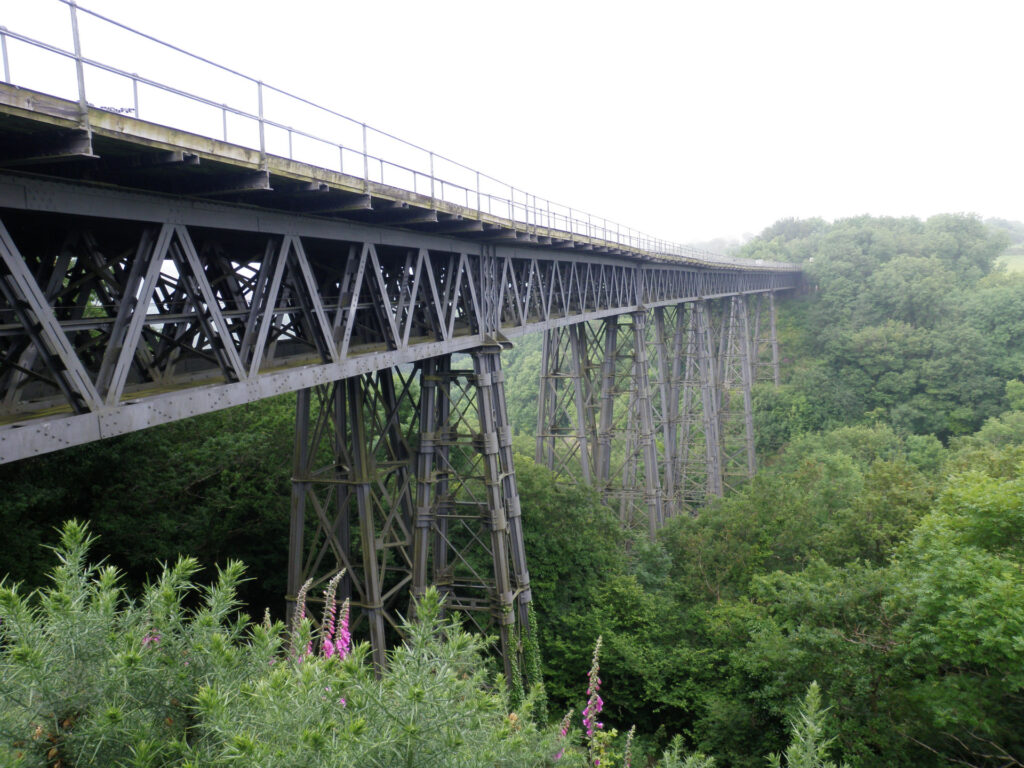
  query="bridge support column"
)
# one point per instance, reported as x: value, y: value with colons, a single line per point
x: 690, y: 423
x: 566, y: 434
x: 426, y: 474
x: 352, y: 466
x: 644, y: 420
x: 765, y: 339
x: 699, y: 405
x: 708, y: 375
x: 578, y: 420
x: 736, y: 416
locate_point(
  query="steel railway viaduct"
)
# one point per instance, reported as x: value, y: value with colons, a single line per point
x: 149, y: 273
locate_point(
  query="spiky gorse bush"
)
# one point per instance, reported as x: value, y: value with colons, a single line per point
x: 89, y: 677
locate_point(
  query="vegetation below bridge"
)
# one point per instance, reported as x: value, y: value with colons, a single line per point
x: 878, y: 551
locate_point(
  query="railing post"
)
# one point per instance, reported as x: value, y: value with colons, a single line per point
x: 263, y: 145
x: 135, y: 94
x: 83, y: 104
x: 3, y: 49
x: 431, y: 179
x: 366, y: 163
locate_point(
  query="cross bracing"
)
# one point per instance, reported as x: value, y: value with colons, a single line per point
x: 123, y: 309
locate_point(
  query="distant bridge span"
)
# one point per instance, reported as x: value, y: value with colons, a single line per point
x: 149, y: 274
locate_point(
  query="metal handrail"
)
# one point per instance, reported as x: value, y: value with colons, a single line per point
x: 512, y: 203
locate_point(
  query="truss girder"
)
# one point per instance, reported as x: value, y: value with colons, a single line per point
x: 120, y: 310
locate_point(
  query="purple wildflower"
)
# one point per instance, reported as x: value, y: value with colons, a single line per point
x: 343, y: 641
x: 594, y: 702
x: 151, y: 637
x: 299, y: 615
x: 563, y: 731
x: 330, y: 611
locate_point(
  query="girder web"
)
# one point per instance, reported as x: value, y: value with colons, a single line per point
x: 123, y: 312
x: 120, y: 310
x: 405, y: 478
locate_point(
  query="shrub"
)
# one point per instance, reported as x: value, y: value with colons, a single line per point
x: 178, y: 677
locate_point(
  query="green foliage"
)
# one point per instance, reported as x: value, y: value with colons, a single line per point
x: 673, y: 757
x: 89, y: 677
x: 961, y: 584
x: 215, y: 487
x: 905, y: 319
x: 809, y: 746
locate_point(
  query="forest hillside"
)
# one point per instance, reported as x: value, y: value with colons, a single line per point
x: 877, y: 554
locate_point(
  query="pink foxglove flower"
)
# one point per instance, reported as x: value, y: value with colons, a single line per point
x: 299, y: 615
x: 594, y: 702
x: 343, y: 641
x: 563, y: 731
x: 330, y: 612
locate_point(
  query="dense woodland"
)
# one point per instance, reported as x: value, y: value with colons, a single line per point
x: 878, y: 552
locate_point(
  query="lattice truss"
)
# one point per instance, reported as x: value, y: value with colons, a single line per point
x: 595, y: 419
x: 764, y: 337
x: 657, y: 433
x: 213, y: 313
x: 132, y: 323
x: 405, y: 478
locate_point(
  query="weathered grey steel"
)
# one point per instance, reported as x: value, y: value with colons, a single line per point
x: 765, y: 339
x: 582, y: 435
x: 468, y: 536
x: 706, y: 442
x: 120, y: 310
x: 353, y: 469
x: 709, y: 379
x: 692, y: 466
x: 735, y: 408
x: 566, y: 431
x: 125, y: 309
x: 684, y: 443
x: 645, y: 441
x: 667, y: 414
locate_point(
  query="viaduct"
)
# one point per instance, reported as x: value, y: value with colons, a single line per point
x: 153, y: 269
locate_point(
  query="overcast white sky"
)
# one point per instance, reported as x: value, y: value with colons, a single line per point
x: 689, y: 120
